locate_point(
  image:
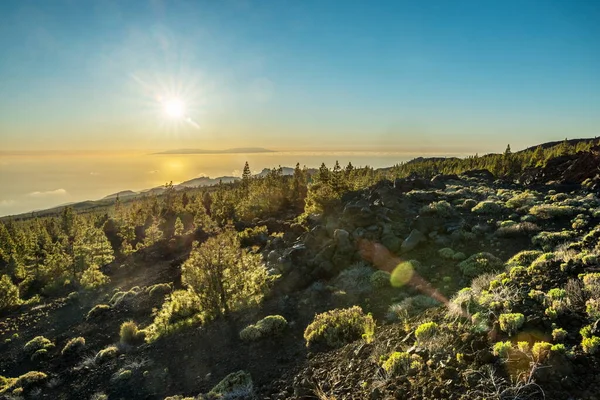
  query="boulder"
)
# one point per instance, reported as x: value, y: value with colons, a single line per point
x: 413, y: 240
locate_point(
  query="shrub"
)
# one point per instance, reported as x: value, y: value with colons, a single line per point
x: 106, y: 354
x: 335, y: 328
x: 480, y: 263
x: 522, y: 228
x: 238, y: 383
x: 523, y: 347
x: 521, y: 200
x: 400, y: 363
x: 502, y: 349
x: 272, y: 325
x: 559, y: 334
x: 591, y: 284
x: 380, y: 279
x: 9, y: 293
x: 355, y: 280
x: 446, y: 252
x: 160, y: 289
x: 549, y: 240
x: 30, y: 379
x: 592, y: 308
x: 558, y: 348
x: 540, y: 350
x: 73, y: 346
x: 441, y: 208
x: 459, y: 256
x: 411, y: 306
x: 541, y: 264
x: 524, y: 258
x: 130, y: 334
x: 426, y: 331
x: 586, y: 331
x: 590, y: 344
x: 38, y: 343
x: 97, y: 311
x: 549, y: 211
x: 590, y: 259
x: 488, y: 207
x: 510, y: 323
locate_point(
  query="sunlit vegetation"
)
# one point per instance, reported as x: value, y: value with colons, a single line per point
x: 338, y: 327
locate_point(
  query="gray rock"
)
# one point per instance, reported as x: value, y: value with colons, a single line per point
x: 413, y: 240
x: 392, y: 242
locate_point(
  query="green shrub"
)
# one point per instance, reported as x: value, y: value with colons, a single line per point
x: 559, y: 334
x: 502, y: 349
x: 441, y: 208
x: 335, y: 328
x: 272, y: 325
x: 510, y: 323
x: 488, y: 207
x: 592, y: 308
x: 39, y: 355
x: 239, y: 383
x: 549, y: 211
x: 9, y: 293
x: 446, y: 253
x: 38, y: 343
x: 426, y: 331
x: 130, y: 334
x: 380, y: 279
x: 180, y: 309
x: 106, y: 354
x: 557, y: 294
x: 558, y: 348
x: 521, y: 200
x: 400, y: 363
x: 524, y: 258
x: 523, y: 347
x: 590, y: 259
x: 160, y: 289
x: 480, y: 263
x: 30, y: 379
x: 540, y: 350
x: 73, y: 346
x: 97, y: 311
x: 591, y: 284
x: 591, y: 344
x: 93, y: 278
x: 549, y: 240
x: 586, y: 331
x: 541, y: 264
x: 459, y: 256
x: 517, y: 229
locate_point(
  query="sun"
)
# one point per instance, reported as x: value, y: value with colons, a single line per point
x: 174, y: 108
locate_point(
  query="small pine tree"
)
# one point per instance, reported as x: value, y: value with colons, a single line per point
x: 178, y: 227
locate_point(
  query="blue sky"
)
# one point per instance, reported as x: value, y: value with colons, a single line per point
x: 298, y: 74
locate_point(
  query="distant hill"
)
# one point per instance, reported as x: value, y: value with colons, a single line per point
x: 571, y: 142
x: 236, y: 150
x: 122, y: 194
x: 206, y: 181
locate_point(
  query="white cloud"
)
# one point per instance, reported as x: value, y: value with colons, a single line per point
x: 6, y: 203
x: 236, y: 172
x: 154, y: 171
x: 57, y: 192
x: 94, y: 173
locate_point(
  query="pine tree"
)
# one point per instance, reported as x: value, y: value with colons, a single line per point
x: 178, y: 227
x: 153, y: 233
x: 323, y: 174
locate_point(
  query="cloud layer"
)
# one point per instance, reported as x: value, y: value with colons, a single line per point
x: 49, y: 193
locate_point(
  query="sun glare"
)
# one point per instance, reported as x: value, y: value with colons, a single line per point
x: 174, y: 108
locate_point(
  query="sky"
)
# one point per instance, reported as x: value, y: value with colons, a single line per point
x: 297, y: 75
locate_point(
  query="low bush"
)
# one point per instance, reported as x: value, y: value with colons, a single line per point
x: 446, y: 253
x: 441, y: 208
x: 73, y: 346
x: 38, y: 343
x: 559, y: 334
x: 426, y: 331
x: 502, y: 349
x: 130, y: 334
x: 591, y: 284
x: 524, y: 258
x: 517, y: 229
x: 592, y: 308
x: 550, y: 211
x: 411, y: 306
x: 272, y: 325
x: 399, y: 363
x: 160, y: 289
x: 480, y: 263
x: 106, y: 354
x: 540, y: 350
x: 180, y: 309
x: 488, y: 207
x: 98, y: 311
x: 336, y: 328
x: 9, y: 293
x: 380, y: 279
x: 510, y: 323
x: 591, y: 344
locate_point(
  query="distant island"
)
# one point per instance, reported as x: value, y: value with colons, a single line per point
x: 237, y: 150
